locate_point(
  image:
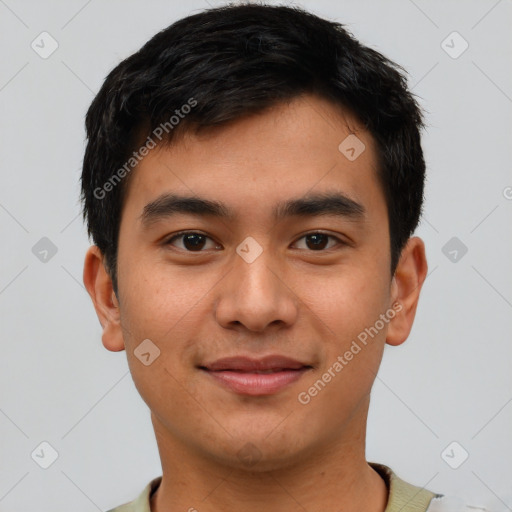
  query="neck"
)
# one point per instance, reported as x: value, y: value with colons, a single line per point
x: 329, y: 478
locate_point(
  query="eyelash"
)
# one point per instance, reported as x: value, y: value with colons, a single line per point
x: 183, y: 233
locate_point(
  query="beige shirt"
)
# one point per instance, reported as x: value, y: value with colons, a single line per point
x: 402, y: 497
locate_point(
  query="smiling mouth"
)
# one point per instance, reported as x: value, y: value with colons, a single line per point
x: 247, y: 375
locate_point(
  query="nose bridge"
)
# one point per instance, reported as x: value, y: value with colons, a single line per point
x: 253, y: 293
x: 256, y: 276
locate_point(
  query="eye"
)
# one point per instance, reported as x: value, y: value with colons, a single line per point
x: 318, y: 241
x: 191, y: 241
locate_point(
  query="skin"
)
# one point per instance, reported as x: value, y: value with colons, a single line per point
x: 293, y: 300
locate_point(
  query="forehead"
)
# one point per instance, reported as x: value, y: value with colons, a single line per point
x: 307, y: 145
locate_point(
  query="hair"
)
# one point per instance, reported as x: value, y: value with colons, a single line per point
x: 232, y: 61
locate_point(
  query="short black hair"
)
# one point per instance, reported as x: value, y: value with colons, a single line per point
x: 225, y: 63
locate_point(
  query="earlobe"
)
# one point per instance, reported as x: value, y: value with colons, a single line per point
x: 99, y: 286
x: 406, y: 285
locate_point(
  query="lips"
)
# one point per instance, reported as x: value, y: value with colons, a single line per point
x: 264, y: 376
x: 246, y: 364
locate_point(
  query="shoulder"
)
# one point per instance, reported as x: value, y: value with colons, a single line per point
x: 142, y: 502
x: 405, y: 496
x: 401, y: 494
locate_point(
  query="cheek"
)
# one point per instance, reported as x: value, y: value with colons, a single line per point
x: 352, y: 350
x: 160, y: 300
x: 172, y: 310
x: 346, y: 311
x: 158, y: 309
x: 346, y: 301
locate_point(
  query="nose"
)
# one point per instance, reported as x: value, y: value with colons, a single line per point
x: 256, y: 296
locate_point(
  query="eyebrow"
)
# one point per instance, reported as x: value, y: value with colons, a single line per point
x: 328, y: 203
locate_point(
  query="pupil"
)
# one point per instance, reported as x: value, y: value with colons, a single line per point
x: 319, y: 240
x: 189, y: 241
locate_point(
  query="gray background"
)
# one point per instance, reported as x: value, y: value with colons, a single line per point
x: 451, y: 381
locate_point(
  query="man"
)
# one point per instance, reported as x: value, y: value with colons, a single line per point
x: 252, y: 180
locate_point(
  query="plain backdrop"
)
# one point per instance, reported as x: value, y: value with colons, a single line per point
x: 449, y: 383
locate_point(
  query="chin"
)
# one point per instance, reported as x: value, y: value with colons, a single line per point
x: 260, y: 453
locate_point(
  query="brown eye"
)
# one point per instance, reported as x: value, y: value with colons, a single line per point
x: 319, y: 241
x: 191, y: 241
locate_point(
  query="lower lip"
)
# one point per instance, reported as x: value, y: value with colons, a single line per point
x: 257, y: 383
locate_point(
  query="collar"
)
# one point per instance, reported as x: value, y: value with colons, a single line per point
x: 400, y: 494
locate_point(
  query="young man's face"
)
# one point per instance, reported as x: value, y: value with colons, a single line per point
x: 306, y: 298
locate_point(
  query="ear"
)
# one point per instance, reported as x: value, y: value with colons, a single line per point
x: 406, y: 284
x: 99, y: 285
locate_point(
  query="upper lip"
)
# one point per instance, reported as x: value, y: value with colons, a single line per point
x: 247, y: 364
